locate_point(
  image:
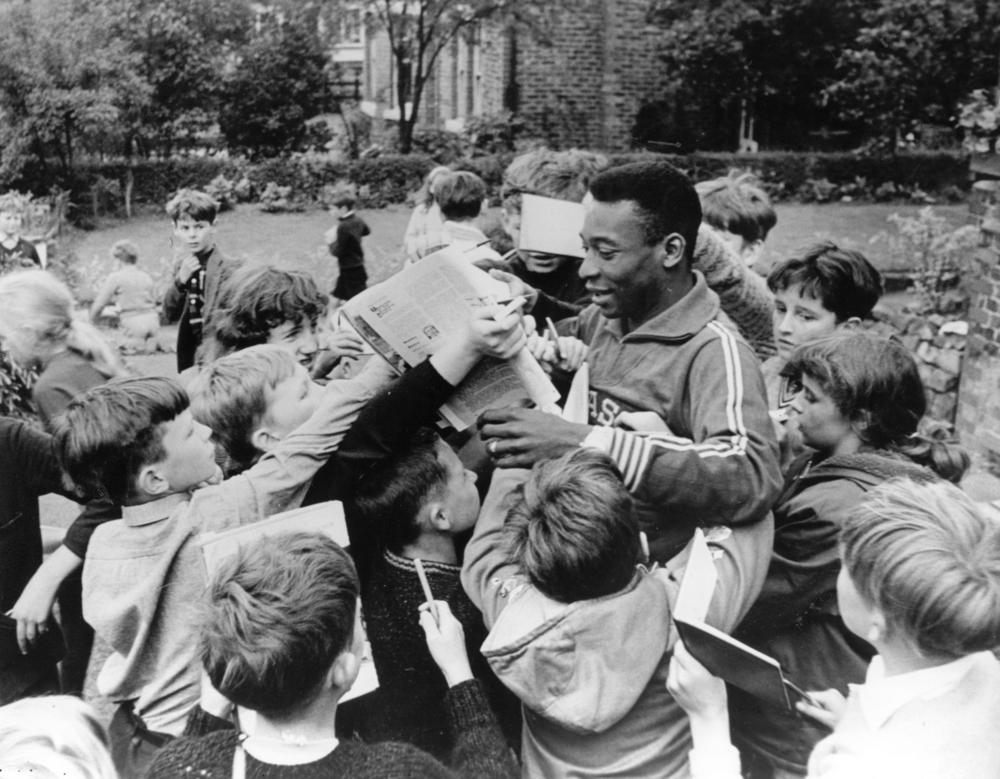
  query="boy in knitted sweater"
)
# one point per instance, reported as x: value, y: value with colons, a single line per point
x: 298, y: 595
x: 417, y: 502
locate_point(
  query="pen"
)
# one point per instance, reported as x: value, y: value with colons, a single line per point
x: 803, y: 694
x: 551, y: 332
x: 510, y: 308
x: 426, y: 586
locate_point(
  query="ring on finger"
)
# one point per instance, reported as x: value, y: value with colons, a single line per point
x: 491, y: 447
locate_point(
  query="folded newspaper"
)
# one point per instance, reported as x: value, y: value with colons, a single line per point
x: 325, y: 518
x: 408, y: 316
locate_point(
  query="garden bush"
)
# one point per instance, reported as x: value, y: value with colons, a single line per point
x: 390, y: 178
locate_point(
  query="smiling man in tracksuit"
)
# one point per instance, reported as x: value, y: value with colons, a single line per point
x: 676, y: 395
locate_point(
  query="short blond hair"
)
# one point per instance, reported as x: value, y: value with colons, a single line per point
x: 53, y: 737
x: 229, y: 396
x: 929, y: 559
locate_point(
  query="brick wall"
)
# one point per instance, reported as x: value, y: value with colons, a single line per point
x: 585, y: 84
x: 978, y: 418
x: 582, y: 86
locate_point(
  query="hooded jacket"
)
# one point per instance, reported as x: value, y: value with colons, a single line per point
x: 591, y: 675
x: 796, y: 619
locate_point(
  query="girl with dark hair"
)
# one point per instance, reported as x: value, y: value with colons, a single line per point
x: 859, y: 407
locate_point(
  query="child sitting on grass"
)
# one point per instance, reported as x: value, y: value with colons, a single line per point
x: 920, y: 581
x: 136, y: 442
x: 131, y: 291
x: 297, y: 595
x: 861, y: 402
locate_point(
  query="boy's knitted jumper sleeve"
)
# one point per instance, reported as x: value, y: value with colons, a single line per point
x: 485, y: 567
x: 480, y: 750
x: 743, y: 294
x: 280, y: 479
x: 393, y: 416
x: 33, y: 458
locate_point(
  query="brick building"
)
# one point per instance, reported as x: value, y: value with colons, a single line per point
x: 581, y: 86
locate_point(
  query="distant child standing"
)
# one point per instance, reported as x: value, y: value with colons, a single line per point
x: 15, y: 252
x: 200, y: 272
x: 346, y: 247
x: 132, y: 291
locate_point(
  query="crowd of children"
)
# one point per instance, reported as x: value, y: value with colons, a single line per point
x: 514, y: 583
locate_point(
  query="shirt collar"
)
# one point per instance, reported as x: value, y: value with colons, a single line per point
x: 882, y: 696
x: 154, y: 511
x: 682, y: 320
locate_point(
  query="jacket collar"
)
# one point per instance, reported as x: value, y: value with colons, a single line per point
x: 154, y: 511
x: 680, y: 322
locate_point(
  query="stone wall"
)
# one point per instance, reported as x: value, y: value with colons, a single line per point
x: 938, y: 344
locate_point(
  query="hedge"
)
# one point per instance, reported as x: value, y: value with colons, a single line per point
x: 932, y: 171
x: 390, y: 178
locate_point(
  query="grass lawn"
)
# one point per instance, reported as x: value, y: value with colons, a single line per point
x: 296, y: 240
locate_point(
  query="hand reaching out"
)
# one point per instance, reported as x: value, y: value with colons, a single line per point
x: 446, y: 642
x: 699, y: 693
x: 517, y: 287
x: 830, y: 709
x: 343, y: 342
x: 32, y: 612
x: 519, y: 437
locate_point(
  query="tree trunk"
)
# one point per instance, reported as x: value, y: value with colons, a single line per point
x: 129, y: 184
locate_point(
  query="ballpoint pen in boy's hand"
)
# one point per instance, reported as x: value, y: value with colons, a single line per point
x: 552, y: 333
x: 426, y: 586
x: 510, y: 308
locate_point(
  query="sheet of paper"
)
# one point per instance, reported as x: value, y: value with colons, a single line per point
x: 577, y: 405
x: 698, y: 582
x: 551, y: 226
x: 326, y: 518
x: 408, y: 316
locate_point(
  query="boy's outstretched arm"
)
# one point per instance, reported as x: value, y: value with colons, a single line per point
x: 34, y: 606
x: 480, y: 750
x: 391, y: 419
x: 487, y: 574
x: 279, y: 480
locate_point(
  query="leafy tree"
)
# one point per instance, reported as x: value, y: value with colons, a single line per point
x: 914, y: 60
x: 182, y: 48
x: 277, y: 85
x: 63, y: 81
x: 771, y: 58
x: 419, y: 30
